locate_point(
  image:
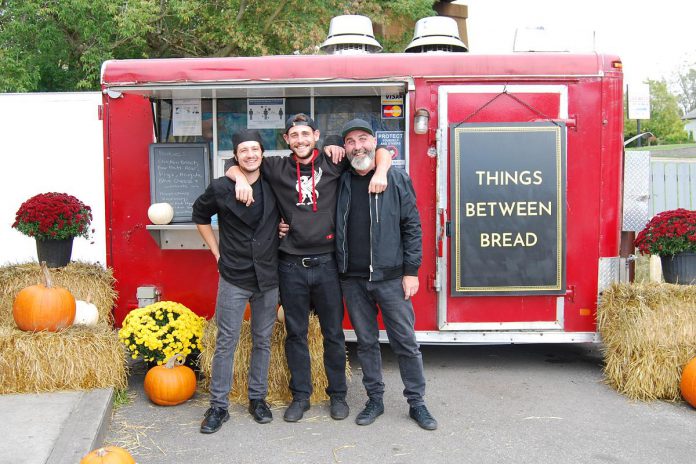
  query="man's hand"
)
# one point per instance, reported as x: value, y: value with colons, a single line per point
x: 378, y: 183
x: 283, y: 228
x: 410, y: 284
x: 242, y: 190
x: 335, y: 152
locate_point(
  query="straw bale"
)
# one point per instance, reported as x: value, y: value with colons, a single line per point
x: 649, y: 334
x: 77, y: 358
x: 83, y: 280
x: 278, y: 372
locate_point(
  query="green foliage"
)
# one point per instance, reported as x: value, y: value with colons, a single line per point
x: 59, y: 45
x: 665, y: 117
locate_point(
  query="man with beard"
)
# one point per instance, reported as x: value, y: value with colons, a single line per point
x: 247, y: 258
x: 382, y: 276
x: 305, y: 185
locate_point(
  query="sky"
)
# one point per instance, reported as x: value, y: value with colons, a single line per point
x: 652, y: 38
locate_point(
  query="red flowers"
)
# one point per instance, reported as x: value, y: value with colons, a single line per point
x: 53, y: 216
x: 669, y: 233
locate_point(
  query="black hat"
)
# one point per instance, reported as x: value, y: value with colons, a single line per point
x: 356, y: 124
x: 299, y: 119
x: 245, y: 135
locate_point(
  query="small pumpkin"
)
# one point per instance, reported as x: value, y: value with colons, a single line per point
x: 43, y: 306
x: 688, y: 382
x: 108, y: 455
x: 86, y: 312
x: 170, y: 384
x: 160, y: 213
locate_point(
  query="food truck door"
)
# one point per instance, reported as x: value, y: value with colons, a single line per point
x: 501, y: 186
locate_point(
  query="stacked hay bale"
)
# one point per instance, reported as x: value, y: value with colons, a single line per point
x: 278, y: 372
x: 649, y: 334
x: 79, y: 357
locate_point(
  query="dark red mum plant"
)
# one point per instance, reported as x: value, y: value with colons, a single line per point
x: 53, y: 216
x: 669, y: 233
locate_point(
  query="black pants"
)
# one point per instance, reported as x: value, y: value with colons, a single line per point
x: 305, y: 285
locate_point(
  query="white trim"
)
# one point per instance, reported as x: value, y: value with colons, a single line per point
x: 492, y: 338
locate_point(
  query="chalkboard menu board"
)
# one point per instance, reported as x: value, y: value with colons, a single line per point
x: 179, y: 173
x: 508, y: 208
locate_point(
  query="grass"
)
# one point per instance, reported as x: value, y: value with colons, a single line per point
x: 663, y: 147
x: 121, y: 398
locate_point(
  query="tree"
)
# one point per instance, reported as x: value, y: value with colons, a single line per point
x: 686, y: 80
x: 665, y: 116
x: 57, y: 45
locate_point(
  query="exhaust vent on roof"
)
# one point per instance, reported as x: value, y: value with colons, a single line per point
x: 350, y: 35
x: 436, y: 34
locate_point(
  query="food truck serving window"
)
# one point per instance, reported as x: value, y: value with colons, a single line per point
x: 267, y: 109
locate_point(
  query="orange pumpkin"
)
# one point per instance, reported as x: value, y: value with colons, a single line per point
x: 170, y: 384
x: 688, y: 382
x: 108, y: 455
x: 43, y: 306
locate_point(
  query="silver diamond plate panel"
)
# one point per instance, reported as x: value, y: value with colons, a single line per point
x: 636, y: 190
x: 609, y: 272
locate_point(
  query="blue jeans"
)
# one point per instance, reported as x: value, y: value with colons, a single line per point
x: 302, y: 289
x: 229, y: 313
x: 362, y: 298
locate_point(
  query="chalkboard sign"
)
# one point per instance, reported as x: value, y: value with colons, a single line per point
x: 508, y: 209
x: 179, y: 173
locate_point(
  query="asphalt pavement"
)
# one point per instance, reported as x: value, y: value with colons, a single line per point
x: 494, y: 404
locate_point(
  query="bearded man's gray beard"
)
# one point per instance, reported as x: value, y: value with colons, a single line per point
x: 363, y: 163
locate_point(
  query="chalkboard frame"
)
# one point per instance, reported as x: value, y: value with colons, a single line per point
x: 161, y: 149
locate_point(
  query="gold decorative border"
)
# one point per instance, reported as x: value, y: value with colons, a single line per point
x: 559, y: 211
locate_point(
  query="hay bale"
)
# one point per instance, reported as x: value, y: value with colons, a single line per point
x: 81, y: 279
x: 77, y: 358
x: 278, y: 372
x: 649, y: 334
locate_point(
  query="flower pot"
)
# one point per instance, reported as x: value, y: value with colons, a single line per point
x: 679, y: 269
x: 56, y: 253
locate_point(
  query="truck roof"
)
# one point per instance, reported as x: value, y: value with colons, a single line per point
x: 124, y: 74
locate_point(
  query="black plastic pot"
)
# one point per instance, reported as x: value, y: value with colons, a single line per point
x: 679, y: 269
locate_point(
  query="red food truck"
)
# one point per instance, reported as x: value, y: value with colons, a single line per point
x: 516, y: 161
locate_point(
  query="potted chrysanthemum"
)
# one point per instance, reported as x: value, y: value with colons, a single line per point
x: 158, y: 331
x: 53, y: 220
x: 672, y: 236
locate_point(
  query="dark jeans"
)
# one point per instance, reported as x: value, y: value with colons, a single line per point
x: 362, y: 298
x: 229, y: 313
x: 302, y: 289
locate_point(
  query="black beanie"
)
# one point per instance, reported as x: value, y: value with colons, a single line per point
x: 245, y: 135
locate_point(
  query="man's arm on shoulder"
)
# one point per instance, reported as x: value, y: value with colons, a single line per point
x: 242, y: 189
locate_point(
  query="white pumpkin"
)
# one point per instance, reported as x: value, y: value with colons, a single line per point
x: 160, y: 213
x: 281, y: 314
x: 85, y: 313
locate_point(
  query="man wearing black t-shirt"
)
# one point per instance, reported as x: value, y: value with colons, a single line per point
x: 378, y: 250
x: 305, y: 186
x: 247, y: 258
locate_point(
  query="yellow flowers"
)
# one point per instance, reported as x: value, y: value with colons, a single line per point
x: 160, y: 330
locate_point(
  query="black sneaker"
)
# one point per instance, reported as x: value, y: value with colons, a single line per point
x: 339, y: 408
x: 422, y: 416
x: 373, y: 409
x: 296, y: 410
x: 260, y: 412
x: 213, y: 419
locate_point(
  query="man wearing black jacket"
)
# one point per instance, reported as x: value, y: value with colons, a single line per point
x: 378, y: 250
x: 247, y: 258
